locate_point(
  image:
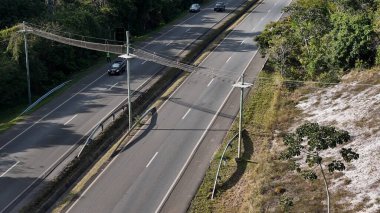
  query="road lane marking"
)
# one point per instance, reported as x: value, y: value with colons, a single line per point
x: 10, y: 168
x: 228, y: 59
x: 70, y: 119
x: 143, y: 62
x: 188, y: 30
x: 210, y: 82
x: 154, y: 156
x: 242, y: 42
x: 113, y: 86
x: 186, y: 114
x: 169, y: 43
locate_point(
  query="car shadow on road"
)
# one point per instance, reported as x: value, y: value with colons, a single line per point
x: 241, y: 164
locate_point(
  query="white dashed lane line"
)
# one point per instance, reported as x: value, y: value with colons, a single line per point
x: 113, y: 86
x: 10, y: 169
x: 186, y: 114
x: 154, y: 156
x: 228, y: 59
x: 210, y: 82
x: 70, y: 119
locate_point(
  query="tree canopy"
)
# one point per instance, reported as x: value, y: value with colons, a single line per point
x: 52, y: 63
x: 320, y: 40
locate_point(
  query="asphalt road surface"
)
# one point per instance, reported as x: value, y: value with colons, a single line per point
x: 143, y: 175
x: 31, y: 150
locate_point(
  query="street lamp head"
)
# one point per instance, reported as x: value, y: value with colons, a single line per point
x: 126, y: 56
x: 242, y: 85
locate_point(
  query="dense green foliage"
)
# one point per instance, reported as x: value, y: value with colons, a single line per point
x: 52, y: 63
x: 320, y: 40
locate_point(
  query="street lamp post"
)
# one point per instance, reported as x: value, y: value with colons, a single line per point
x: 242, y: 86
x: 129, y: 57
x: 27, y: 63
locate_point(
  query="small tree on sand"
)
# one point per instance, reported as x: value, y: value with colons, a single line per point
x: 308, y: 141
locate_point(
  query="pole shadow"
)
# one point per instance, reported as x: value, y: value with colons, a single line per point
x: 241, y: 164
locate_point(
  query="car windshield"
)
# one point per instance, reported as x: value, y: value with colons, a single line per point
x: 219, y: 4
x: 115, y: 65
x: 194, y: 6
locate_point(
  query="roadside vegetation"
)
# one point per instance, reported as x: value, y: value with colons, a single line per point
x: 53, y: 63
x: 325, y: 57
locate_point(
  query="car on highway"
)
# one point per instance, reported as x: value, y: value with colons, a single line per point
x: 220, y: 7
x: 194, y: 8
x: 117, y: 68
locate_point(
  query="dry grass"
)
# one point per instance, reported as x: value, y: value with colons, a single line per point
x: 269, y: 109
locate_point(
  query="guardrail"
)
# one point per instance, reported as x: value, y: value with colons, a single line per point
x: 113, y: 115
x: 44, y: 96
x: 229, y: 144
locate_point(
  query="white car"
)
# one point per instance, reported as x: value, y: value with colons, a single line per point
x: 194, y: 8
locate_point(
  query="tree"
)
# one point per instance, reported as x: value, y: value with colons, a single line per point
x: 308, y: 142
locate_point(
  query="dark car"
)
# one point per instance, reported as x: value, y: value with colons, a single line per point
x: 194, y: 8
x: 117, y: 68
x: 220, y: 7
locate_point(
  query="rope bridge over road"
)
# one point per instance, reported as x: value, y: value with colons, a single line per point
x: 120, y: 49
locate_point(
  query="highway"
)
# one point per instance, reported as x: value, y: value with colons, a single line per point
x: 142, y: 176
x: 32, y: 150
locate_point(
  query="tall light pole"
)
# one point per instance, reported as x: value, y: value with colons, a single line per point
x: 242, y: 86
x: 27, y: 63
x: 129, y: 57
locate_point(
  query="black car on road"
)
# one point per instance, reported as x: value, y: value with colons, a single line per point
x: 117, y: 68
x: 220, y: 7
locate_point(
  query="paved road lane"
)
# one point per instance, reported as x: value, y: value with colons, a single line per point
x: 142, y: 176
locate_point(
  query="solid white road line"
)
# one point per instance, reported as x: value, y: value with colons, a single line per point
x: 113, y: 86
x: 242, y: 42
x: 70, y: 119
x: 154, y: 156
x: 210, y: 82
x: 143, y: 62
x: 186, y: 114
x: 169, y: 43
x: 188, y: 30
x: 10, y: 168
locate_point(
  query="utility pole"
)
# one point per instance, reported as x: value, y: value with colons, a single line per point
x: 241, y: 85
x: 129, y: 57
x: 27, y: 63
